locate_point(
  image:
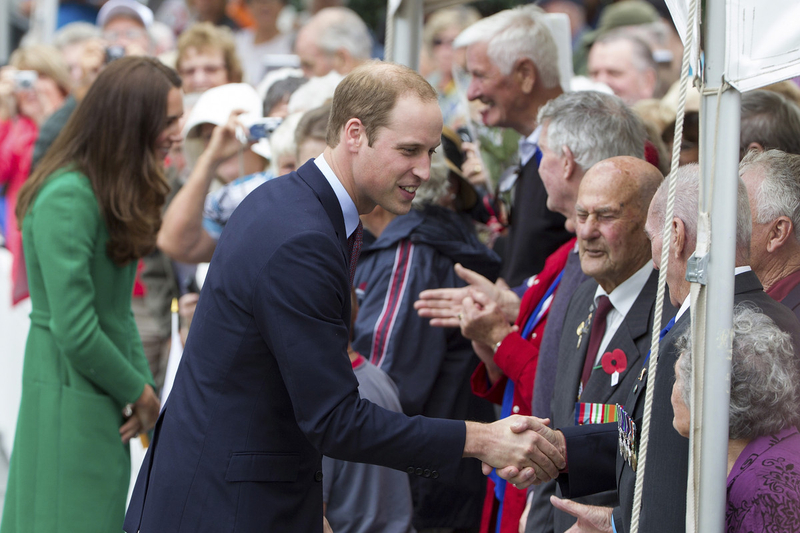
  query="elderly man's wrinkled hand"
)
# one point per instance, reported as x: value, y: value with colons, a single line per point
x: 591, y: 518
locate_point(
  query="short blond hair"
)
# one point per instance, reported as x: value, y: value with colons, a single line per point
x: 369, y: 93
x: 44, y: 59
x: 203, y: 37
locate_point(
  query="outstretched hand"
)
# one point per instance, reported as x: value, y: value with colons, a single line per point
x: 516, y: 446
x: 443, y: 306
x: 591, y: 518
x: 548, y: 443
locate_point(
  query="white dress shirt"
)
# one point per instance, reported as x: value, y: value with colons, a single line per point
x: 528, y: 145
x: 622, y: 299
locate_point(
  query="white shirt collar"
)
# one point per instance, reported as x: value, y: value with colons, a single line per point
x: 623, y: 296
x: 688, y: 300
x: 528, y: 145
x: 684, y: 307
x: 349, y: 210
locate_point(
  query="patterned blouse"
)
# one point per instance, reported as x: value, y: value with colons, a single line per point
x: 764, y: 486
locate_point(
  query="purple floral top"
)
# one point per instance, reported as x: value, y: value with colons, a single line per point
x: 764, y: 486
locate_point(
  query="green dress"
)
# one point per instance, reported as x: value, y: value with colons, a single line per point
x: 83, y: 362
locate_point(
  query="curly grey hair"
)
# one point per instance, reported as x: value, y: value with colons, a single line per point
x: 594, y: 126
x: 764, y: 375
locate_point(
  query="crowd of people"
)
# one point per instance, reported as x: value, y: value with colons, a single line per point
x: 333, y: 293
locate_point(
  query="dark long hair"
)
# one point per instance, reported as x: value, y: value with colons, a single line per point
x: 111, y: 139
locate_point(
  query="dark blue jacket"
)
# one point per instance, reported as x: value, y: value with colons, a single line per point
x: 431, y: 366
x: 265, y: 386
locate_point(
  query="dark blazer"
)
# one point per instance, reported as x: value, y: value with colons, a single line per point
x: 633, y: 337
x: 792, y: 301
x: 265, y: 386
x: 594, y: 461
x: 535, y: 233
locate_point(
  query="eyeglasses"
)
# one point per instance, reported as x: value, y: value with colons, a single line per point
x: 205, y: 69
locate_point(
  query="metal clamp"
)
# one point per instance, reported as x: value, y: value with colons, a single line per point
x: 697, y: 269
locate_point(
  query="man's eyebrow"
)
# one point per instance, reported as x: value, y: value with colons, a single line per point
x: 606, y: 209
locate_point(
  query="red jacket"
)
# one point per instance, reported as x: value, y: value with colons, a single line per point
x: 17, y: 137
x: 517, y: 358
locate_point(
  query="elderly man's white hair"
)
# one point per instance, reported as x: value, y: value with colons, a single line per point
x: 343, y: 28
x: 513, y: 34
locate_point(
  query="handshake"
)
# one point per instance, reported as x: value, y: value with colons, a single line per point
x: 524, y: 449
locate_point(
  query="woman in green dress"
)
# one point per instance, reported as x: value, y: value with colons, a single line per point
x: 88, y: 212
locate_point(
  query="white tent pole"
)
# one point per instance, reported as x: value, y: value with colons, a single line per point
x: 43, y: 21
x: 720, y: 124
x: 407, y: 33
x: 5, y: 31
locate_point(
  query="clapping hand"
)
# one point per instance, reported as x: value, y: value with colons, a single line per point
x: 443, y: 306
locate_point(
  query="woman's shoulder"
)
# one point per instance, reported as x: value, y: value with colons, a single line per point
x: 64, y: 180
x: 66, y: 185
x: 769, y: 464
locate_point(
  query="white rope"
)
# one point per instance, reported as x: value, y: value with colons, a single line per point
x: 666, y: 239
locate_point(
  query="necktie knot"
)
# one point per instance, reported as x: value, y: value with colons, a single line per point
x: 603, y: 307
x: 595, y: 336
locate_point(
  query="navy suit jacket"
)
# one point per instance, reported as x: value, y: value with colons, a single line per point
x: 265, y: 386
x: 593, y: 452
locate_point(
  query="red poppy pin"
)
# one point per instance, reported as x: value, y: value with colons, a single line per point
x: 614, y: 363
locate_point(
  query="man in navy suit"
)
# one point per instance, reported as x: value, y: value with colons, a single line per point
x: 265, y: 386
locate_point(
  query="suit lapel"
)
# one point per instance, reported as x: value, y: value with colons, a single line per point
x: 311, y: 174
x: 573, y: 367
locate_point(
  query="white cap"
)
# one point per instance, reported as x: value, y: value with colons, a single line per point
x: 128, y: 8
x: 214, y: 107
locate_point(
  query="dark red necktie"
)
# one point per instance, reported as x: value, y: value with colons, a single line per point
x: 595, y: 336
x: 354, y: 242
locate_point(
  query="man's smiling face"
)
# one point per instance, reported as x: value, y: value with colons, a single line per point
x: 399, y: 160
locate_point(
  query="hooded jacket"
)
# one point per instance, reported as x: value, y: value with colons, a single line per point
x: 431, y: 366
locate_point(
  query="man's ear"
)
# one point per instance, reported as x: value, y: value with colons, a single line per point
x: 340, y: 60
x: 524, y: 73
x: 568, y: 162
x: 758, y: 147
x: 780, y: 231
x: 678, y: 237
x: 354, y: 135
